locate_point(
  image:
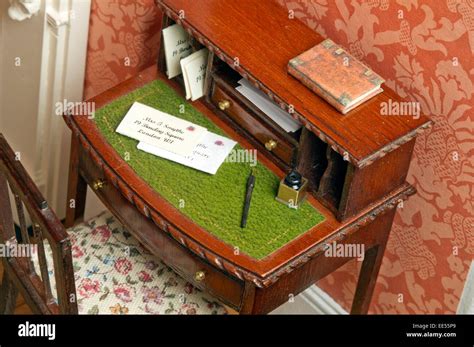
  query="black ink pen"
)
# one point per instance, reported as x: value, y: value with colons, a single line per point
x: 248, y: 197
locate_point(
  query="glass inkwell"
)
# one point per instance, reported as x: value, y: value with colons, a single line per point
x: 292, y: 190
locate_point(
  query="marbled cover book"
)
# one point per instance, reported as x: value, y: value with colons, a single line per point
x: 335, y: 75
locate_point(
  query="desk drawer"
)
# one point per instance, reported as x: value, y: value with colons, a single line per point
x: 270, y: 138
x: 194, y: 269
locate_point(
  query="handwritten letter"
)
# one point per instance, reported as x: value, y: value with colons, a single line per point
x: 148, y: 125
x: 194, y: 73
x: 177, y: 45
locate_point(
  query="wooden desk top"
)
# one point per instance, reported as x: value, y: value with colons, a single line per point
x: 262, y: 272
x: 263, y: 38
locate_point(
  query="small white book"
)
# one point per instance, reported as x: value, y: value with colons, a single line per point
x: 194, y: 73
x: 208, y: 155
x: 177, y: 45
x: 149, y: 125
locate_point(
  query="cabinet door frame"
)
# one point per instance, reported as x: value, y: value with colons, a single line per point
x: 43, y: 62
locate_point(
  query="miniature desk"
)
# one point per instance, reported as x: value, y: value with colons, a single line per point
x: 356, y: 163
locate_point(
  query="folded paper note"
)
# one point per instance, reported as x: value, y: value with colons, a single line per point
x: 177, y: 45
x: 335, y: 75
x: 207, y: 156
x: 194, y: 72
x: 264, y: 104
x: 148, y: 125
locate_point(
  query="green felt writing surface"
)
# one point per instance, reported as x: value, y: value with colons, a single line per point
x: 214, y: 202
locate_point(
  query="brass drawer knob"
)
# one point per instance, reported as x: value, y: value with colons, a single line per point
x: 199, y: 276
x: 98, y: 184
x: 224, y: 104
x: 271, y: 144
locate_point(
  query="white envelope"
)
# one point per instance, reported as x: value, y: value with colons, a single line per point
x: 149, y: 125
x: 194, y: 73
x: 177, y: 45
x: 208, y: 155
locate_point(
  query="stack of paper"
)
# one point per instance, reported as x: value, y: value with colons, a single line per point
x: 271, y: 109
x: 180, y: 60
x: 194, y: 73
x: 177, y: 45
x: 175, y: 139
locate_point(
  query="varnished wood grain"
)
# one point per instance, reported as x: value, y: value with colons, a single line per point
x: 150, y: 203
x: 367, y: 184
x: 263, y: 38
x: 18, y: 272
x: 21, y: 307
x: 238, y: 113
x: 77, y: 189
x: 228, y: 290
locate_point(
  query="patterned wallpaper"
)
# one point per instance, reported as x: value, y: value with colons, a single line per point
x: 123, y: 40
x: 424, y: 49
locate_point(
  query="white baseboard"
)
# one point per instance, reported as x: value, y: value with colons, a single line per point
x: 466, y: 304
x: 312, y: 301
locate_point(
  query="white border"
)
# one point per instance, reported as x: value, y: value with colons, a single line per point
x: 313, y: 300
x: 62, y: 77
x: 466, y: 304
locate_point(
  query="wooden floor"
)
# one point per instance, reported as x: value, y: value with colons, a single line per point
x: 21, y: 306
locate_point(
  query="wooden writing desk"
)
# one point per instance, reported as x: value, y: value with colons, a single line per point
x: 356, y: 164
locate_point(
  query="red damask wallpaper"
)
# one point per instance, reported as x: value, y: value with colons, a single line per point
x: 424, y: 49
x: 123, y: 40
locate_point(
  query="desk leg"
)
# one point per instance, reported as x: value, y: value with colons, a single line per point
x: 248, y: 300
x: 8, y: 295
x: 371, y: 264
x: 77, y: 187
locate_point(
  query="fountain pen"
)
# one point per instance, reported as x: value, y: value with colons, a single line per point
x: 248, y: 197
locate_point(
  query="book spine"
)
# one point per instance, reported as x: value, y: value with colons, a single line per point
x: 316, y: 89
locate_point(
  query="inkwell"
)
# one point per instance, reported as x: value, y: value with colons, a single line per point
x: 293, y: 188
